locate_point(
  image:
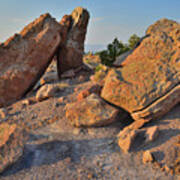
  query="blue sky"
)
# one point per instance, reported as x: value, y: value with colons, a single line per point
x: 109, y: 18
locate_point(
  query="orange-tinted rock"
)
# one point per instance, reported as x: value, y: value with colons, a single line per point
x: 127, y: 136
x: 3, y: 113
x: 89, y: 112
x: 147, y: 157
x: 71, y: 52
x: 159, y: 107
x: 126, y: 140
x: 132, y: 136
x: 151, y: 134
x: 25, y: 56
x: 11, y: 144
x: 148, y: 84
x: 93, y: 88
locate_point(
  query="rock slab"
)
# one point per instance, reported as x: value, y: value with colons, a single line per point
x: 25, y: 56
x: 71, y: 52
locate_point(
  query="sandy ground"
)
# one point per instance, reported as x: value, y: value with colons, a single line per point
x: 56, y: 150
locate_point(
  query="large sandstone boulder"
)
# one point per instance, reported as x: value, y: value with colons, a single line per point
x: 12, y: 142
x: 71, y: 52
x: 91, y: 112
x: 25, y: 56
x: 148, y: 85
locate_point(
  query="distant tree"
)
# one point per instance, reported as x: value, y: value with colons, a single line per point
x: 114, y: 49
x: 133, y: 40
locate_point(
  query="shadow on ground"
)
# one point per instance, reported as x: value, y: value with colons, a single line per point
x: 51, y: 152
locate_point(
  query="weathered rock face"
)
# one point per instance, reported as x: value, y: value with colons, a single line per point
x: 71, y: 53
x: 25, y: 56
x: 89, y: 112
x: 11, y: 144
x: 148, y: 84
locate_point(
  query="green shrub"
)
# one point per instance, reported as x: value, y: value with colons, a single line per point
x: 114, y: 49
x: 133, y: 40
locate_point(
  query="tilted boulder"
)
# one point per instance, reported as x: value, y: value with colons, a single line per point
x: 148, y: 85
x: 90, y: 112
x: 25, y: 56
x: 71, y: 52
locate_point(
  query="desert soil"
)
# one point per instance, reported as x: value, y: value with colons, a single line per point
x: 56, y: 150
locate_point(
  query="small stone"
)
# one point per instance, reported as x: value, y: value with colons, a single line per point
x: 127, y: 136
x: 25, y: 102
x: 3, y: 113
x: 92, y: 88
x: 50, y: 77
x: 157, y: 165
x: 90, y: 175
x: 81, y: 78
x: 91, y: 131
x: 151, y: 134
x: 126, y: 140
x: 61, y: 99
x: 29, y: 101
x: 47, y: 91
x: 147, y: 157
x: 176, y: 169
x: 167, y: 169
x: 83, y: 94
x: 76, y: 131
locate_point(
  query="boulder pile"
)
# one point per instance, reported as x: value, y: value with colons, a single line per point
x: 25, y: 56
x: 147, y: 86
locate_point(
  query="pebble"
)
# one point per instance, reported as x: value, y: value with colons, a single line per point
x: 3, y: 113
x: 147, y: 157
